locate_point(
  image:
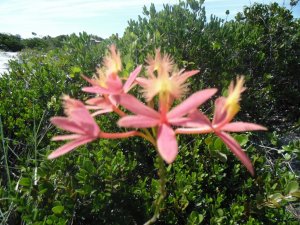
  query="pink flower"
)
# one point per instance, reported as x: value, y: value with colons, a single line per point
x: 111, y: 84
x: 147, y: 117
x: 79, y: 122
x: 108, y: 85
x: 82, y: 125
x: 164, y: 80
x: 225, y: 110
x: 107, y: 80
x: 100, y: 104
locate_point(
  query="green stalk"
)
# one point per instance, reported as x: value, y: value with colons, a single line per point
x: 162, y: 191
x: 4, y: 152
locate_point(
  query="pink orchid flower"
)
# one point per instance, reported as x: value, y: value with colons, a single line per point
x: 82, y: 124
x: 225, y: 110
x: 101, y: 105
x: 164, y: 80
x: 147, y: 117
x: 112, y: 84
x: 108, y: 80
x: 109, y: 85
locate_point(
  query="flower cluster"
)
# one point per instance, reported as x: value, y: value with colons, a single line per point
x: 162, y: 85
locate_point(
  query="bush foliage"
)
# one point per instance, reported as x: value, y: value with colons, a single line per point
x: 116, y: 182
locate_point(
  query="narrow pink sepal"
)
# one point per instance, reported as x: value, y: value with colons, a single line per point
x: 128, y: 84
x: 143, y: 82
x: 66, y: 137
x: 237, y: 150
x: 101, y: 111
x: 134, y: 105
x: 181, y: 121
x: 184, y: 76
x: 191, y: 103
x: 114, y: 84
x: 93, y: 107
x: 69, y: 147
x: 188, y: 122
x: 91, y: 81
x: 219, y: 113
x: 138, y: 121
x: 66, y: 124
x: 99, y: 101
x: 98, y: 90
x: 166, y: 143
x: 198, y: 119
x: 82, y: 117
x: 194, y: 130
x: 241, y: 127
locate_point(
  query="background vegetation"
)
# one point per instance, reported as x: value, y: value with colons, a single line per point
x: 116, y: 182
x: 15, y: 43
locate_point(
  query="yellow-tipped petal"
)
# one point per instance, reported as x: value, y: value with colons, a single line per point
x: 70, y: 104
x: 113, y: 62
x: 163, y: 65
x: 165, y: 80
x: 232, y: 101
x: 101, y: 77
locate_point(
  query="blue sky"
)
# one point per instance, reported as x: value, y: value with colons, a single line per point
x: 100, y: 17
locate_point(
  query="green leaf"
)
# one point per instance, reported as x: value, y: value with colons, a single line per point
x: 58, y: 209
x: 287, y: 156
x: 276, y: 197
x: 292, y: 187
x: 195, y: 218
x: 208, y: 140
x: 49, y: 221
x: 218, y: 144
x: 290, y: 198
x: 216, y: 45
x: 242, y: 139
x: 220, y: 212
x: 25, y: 182
x: 76, y: 69
x: 296, y: 194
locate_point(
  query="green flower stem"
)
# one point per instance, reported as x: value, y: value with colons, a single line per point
x: 162, y: 173
x: 147, y: 136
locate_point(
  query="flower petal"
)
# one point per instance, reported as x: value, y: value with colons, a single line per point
x: 143, y: 82
x: 241, y: 127
x: 134, y: 105
x: 128, y: 84
x: 98, y: 90
x: 237, y: 150
x: 198, y: 119
x: 191, y: 103
x: 101, y: 111
x: 194, y: 130
x: 66, y: 124
x: 91, y: 81
x: 195, y: 119
x: 114, y: 84
x: 69, y: 147
x: 219, y: 113
x: 82, y: 117
x: 138, y: 121
x: 185, y: 75
x: 99, y: 101
x: 66, y: 137
x: 166, y: 143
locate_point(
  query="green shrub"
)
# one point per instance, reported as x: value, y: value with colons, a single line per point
x: 116, y: 182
